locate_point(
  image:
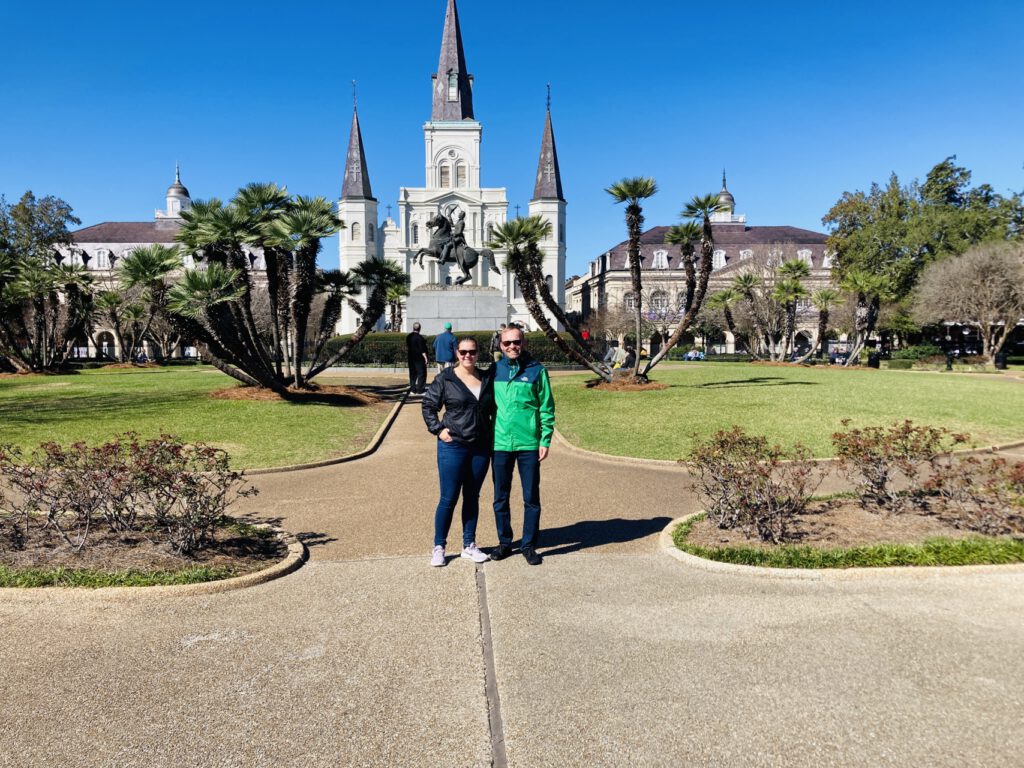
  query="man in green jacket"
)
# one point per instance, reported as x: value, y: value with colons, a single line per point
x: 523, y: 426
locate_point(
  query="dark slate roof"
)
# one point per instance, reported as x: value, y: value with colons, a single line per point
x: 731, y: 238
x: 357, y: 177
x: 129, y: 232
x: 549, y: 177
x: 452, y: 61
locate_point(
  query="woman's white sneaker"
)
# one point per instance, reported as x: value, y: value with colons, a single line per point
x: 472, y: 552
x: 437, y: 558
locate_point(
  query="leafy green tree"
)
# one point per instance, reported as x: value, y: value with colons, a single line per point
x: 724, y: 301
x: 44, y: 304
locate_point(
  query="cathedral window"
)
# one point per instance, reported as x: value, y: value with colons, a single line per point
x: 415, y: 234
x: 446, y: 175
x: 356, y: 233
x: 453, y: 86
x: 370, y: 232
x: 460, y: 175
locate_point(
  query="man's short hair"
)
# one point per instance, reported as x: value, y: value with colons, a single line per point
x: 515, y: 328
x: 415, y: 326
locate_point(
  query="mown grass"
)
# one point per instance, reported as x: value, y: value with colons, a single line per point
x: 91, y: 579
x: 786, y: 404
x: 92, y: 406
x: 970, y: 551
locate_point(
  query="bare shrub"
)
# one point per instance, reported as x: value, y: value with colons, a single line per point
x: 875, y: 459
x: 982, y: 494
x: 180, y: 491
x: 747, y: 483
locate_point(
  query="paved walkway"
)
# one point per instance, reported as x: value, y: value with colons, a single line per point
x: 610, y: 654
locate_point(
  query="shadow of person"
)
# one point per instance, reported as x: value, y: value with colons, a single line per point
x: 596, y: 533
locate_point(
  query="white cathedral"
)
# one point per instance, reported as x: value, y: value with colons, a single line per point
x: 452, y: 163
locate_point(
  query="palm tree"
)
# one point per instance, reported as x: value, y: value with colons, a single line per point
x: 869, y: 290
x: 724, y: 301
x: 823, y: 299
x: 686, y: 236
x: 631, y: 191
x: 395, y: 297
x: 699, y: 209
x: 748, y: 286
x: 148, y: 268
x: 378, y: 277
x: 788, y: 292
x: 520, y: 238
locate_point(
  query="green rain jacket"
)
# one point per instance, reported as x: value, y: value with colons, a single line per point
x: 525, y: 408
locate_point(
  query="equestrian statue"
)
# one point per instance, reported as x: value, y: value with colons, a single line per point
x: 448, y: 245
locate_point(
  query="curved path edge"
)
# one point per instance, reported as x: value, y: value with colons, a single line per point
x: 370, y: 448
x: 296, y: 556
x: 668, y: 547
x: 564, y: 442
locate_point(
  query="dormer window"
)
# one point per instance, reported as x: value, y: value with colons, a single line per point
x: 453, y: 86
x: 660, y: 260
x: 718, y: 259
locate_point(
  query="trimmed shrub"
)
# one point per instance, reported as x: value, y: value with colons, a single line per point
x: 389, y: 349
x: 918, y: 352
x: 900, y: 365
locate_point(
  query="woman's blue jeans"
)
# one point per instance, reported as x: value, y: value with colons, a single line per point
x: 461, y: 469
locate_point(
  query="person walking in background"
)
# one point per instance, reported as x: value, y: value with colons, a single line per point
x: 444, y: 348
x: 495, y: 345
x: 464, y: 437
x: 416, y: 349
x: 523, y: 425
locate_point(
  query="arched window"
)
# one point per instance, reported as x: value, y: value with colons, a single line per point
x: 490, y: 232
x: 356, y: 232
x: 659, y: 301
x: 460, y: 175
x: 445, y: 175
x: 629, y: 301
x: 370, y: 232
x: 415, y: 234
x: 453, y: 86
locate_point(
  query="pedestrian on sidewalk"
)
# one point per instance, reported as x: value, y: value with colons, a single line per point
x: 416, y: 348
x: 464, y: 437
x: 495, y: 345
x: 444, y: 348
x: 523, y: 425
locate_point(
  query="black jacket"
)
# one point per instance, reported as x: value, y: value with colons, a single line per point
x: 417, y: 346
x: 468, y: 420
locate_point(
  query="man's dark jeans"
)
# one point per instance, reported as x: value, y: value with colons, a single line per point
x: 462, y: 470
x: 502, y: 465
x: 417, y: 375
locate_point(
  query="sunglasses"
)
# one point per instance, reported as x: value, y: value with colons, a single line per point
x: 466, y: 352
x: 512, y: 343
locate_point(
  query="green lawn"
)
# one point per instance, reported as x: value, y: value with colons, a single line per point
x: 786, y: 404
x: 94, y: 405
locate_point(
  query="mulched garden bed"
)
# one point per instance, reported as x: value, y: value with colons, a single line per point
x: 328, y: 394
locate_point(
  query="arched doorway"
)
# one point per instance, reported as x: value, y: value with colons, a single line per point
x: 106, y: 347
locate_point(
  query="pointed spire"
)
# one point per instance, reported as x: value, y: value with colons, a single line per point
x: 549, y: 178
x: 725, y: 196
x: 357, y: 178
x: 723, y: 179
x: 177, y: 172
x: 453, y: 91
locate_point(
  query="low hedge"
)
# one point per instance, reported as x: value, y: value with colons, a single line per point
x: 899, y: 364
x: 388, y: 349
x: 916, y: 352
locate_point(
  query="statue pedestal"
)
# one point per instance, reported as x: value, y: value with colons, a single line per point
x: 466, y: 307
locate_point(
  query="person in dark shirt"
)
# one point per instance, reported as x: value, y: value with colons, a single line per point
x: 464, y: 437
x: 416, y: 348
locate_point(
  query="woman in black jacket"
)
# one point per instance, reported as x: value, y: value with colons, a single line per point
x: 464, y: 441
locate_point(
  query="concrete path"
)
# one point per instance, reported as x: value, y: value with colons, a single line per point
x: 609, y: 654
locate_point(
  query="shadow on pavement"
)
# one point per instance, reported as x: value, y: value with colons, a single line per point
x: 595, y: 533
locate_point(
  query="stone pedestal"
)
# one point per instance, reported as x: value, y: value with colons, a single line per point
x: 466, y: 307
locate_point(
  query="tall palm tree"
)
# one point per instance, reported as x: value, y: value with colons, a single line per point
x: 869, y: 290
x: 748, y: 286
x: 631, y: 191
x: 520, y: 238
x: 148, y: 268
x: 823, y: 299
x: 788, y: 292
x: 395, y: 297
x: 686, y: 236
x: 699, y: 209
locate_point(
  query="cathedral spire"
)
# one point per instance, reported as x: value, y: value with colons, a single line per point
x: 357, y: 178
x: 453, y: 90
x: 549, y: 178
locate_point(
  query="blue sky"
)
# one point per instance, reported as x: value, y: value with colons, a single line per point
x: 798, y: 100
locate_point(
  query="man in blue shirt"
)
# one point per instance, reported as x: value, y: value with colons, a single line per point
x: 444, y: 348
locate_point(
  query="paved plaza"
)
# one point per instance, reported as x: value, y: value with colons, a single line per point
x: 609, y: 654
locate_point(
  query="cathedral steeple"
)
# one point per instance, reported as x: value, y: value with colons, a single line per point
x: 357, y: 178
x: 453, y: 89
x: 549, y: 178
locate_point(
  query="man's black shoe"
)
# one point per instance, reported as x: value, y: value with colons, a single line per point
x: 501, y: 552
x: 531, y: 556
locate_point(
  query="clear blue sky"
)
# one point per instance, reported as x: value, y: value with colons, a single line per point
x: 798, y: 100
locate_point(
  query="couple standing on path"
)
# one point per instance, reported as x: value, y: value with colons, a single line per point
x: 504, y: 417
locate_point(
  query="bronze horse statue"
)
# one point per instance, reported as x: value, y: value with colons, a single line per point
x: 463, y: 255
